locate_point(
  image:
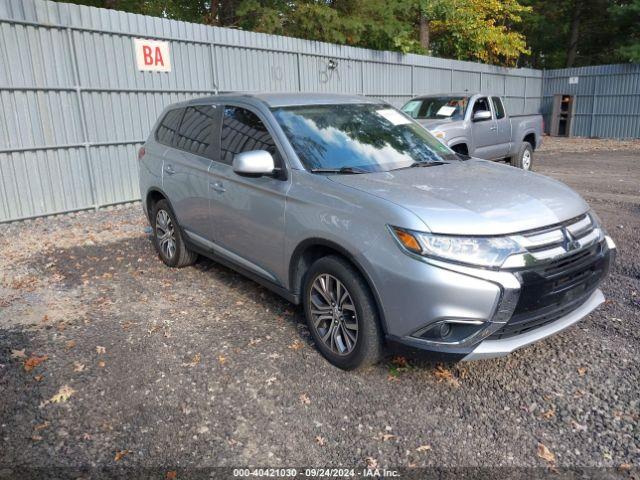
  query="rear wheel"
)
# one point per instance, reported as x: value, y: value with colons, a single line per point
x: 341, y: 314
x: 167, y: 237
x: 524, y: 158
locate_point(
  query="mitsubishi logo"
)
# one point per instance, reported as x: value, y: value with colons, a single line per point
x: 569, y: 243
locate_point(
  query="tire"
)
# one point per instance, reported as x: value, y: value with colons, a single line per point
x: 163, y: 220
x: 360, y: 309
x: 524, y: 158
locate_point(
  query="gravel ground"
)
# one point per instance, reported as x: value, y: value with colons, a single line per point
x: 109, y: 359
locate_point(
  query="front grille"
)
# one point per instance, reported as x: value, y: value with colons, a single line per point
x: 555, y: 289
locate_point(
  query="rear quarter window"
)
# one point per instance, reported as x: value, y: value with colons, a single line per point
x: 168, y: 127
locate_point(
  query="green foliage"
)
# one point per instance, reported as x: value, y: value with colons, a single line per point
x: 504, y: 32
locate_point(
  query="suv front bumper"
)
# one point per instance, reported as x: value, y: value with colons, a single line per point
x: 537, y: 307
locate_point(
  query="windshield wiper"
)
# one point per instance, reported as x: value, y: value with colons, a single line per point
x: 427, y: 164
x: 347, y: 170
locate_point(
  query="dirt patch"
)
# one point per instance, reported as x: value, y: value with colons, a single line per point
x: 148, y: 366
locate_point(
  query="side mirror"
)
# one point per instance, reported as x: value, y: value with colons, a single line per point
x: 481, y: 116
x: 255, y: 163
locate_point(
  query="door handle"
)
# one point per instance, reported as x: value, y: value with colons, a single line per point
x: 493, y: 128
x: 217, y: 186
x: 169, y: 170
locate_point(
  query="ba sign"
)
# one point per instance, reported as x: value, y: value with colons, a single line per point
x: 152, y: 55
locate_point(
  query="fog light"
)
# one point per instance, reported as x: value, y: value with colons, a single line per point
x: 445, y: 330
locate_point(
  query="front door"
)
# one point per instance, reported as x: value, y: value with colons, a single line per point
x: 247, y: 212
x: 483, y: 132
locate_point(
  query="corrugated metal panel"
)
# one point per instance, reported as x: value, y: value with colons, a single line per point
x: 607, y: 99
x: 75, y: 108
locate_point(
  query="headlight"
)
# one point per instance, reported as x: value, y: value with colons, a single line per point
x: 481, y: 251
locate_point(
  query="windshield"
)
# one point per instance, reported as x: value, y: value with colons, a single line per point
x: 363, y: 137
x: 433, y: 108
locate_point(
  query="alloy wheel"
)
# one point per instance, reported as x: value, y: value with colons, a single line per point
x: 526, y: 160
x: 165, y: 232
x: 333, y: 314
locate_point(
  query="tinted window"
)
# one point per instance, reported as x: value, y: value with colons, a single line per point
x: 369, y: 137
x: 243, y: 131
x: 196, y: 130
x: 169, y: 126
x: 498, y: 107
x: 481, y: 104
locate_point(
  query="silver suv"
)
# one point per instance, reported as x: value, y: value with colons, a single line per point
x: 386, y: 237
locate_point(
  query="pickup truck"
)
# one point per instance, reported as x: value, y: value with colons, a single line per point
x: 478, y: 125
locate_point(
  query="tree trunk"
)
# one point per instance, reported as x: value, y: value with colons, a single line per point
x: 574, y: 35
x: 213, y: 13
x: 424, y: 32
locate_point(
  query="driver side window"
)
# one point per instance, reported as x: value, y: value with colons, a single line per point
x: 481, y: 104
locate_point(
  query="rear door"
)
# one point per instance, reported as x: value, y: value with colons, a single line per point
x: 186, y: 168
x: 503, y: 128
x: 248, y: 213
x: 484, y: 132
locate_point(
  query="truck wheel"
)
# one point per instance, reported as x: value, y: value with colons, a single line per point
x: 167, y: 237
x: 524, y: 158
x: 341, y: 314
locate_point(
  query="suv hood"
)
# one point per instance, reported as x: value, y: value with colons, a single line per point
x: 473, y: 197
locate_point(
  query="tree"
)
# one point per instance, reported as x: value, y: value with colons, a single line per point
x: 627, y: 17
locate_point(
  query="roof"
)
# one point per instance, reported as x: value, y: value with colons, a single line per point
x: 448, y: 94
x: 291, y: 99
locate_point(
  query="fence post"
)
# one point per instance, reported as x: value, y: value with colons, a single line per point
x: 83, y: 117
x: 214, y: 69
x: 594, y: 96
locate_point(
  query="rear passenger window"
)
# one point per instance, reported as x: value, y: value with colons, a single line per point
x: 243, y: 131
x: 169, y: 126
x: 196, y: 130
x: 498, y: 107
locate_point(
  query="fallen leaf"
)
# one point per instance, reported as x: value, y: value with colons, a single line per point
x: 194, y: 361
x: 423, y: 448
x: 321, y: 441
x: 582, y: 371
x: 545, y: 453
x: 36, y: 438
x: 38, y: 378
x: 18, y: 353
x: 33, y: 362
x: 101, y: 364
x: 78, y: 367
x: 222, y: 359
x: 384, y: 437
x: 399, y: 361
x: 120, y: 454
x: 304, y: 399
x: 63, y: 395
x: 624, y: 467
x: 100, y: 350
x: 371, y: 462
x: 549, y: 414
x: 70, y: 344
x: 444, y: 374
x: 297, y: 345
x: 41, y: 426
x: 171, y: 475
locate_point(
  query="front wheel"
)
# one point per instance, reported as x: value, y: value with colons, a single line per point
x: 341, y: 314
x: 524, y: 158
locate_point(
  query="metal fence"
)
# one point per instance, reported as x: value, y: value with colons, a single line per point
x: 607, y: 99
x: 75, y: 108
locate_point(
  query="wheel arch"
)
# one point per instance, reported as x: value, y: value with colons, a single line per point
x: 309, y: 250
x: 530, y: 138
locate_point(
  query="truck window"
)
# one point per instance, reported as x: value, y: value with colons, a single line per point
x: 433, y: 108
x: 481, y: 104
x: 498, y: 107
